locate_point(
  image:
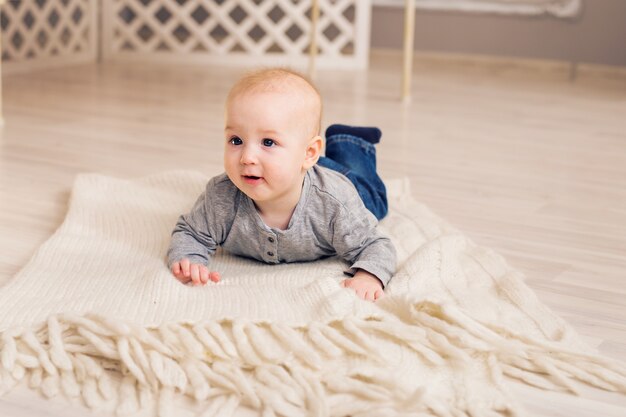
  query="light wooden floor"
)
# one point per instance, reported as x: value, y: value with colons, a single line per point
x: 524, y: 161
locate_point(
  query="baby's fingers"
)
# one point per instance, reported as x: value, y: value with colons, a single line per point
x: 184, y: 266
x: 204, y: 274
x: 194, y: 270
x: 214, y: 276
x: 178, y: 273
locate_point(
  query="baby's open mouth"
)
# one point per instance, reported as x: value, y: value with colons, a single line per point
x: 252, y: 179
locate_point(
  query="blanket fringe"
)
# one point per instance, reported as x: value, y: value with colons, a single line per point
x: 548, y: 365
x: 281, y: 370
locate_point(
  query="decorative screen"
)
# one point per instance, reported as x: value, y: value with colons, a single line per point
x: 260, y: 31
x: 48, y: 30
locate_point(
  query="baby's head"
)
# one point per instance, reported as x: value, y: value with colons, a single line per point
x: 271, y: 133
x: 289, y: 85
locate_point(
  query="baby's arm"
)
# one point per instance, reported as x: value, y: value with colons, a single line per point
x: 199, y: 274
x: 193, y: 243
x: 372, y: 255
x: 366, y: 285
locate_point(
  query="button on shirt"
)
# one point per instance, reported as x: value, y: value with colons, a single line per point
x: 329, y: 219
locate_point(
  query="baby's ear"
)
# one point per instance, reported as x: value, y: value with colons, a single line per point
x: 313, y: 151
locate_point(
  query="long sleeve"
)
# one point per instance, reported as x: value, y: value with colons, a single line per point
x: 191, y: 237
x: 357, y: 240
x: 198, y: 233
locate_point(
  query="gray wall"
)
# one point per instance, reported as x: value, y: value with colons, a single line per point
x: 597, y: 35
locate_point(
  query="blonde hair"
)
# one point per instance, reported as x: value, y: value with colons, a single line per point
x: 281, y: 80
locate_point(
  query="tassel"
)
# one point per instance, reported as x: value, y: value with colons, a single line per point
x: 191, y: 344
x: 143, y: 362
x: 147, y: 338
x: 199, y: 384
x: 171, y: 340
x: 214, y: 349
x: 347, y: 405
x: 27, y: 361
x: 90, y: 393
x: 276, y: 401
x: 9, y: 350
x: 167, y: 371
x: 50, y: 386
x: 145, y: 397
x: 123, y: 348
x: 342, y: 384
x: 105, y: 348
x: 341, y: 341
x: 6, y: 381
x: 267, y: 378
x: 495, y: 371
x: 609, y: 375
x: 166, y: 402
x: 85, y: 322
x: 289, y: 376
x: 216, y: 331
x: 223, y: 406
x: 117, y: 327
x: 128, y: 404
x: 240, y: 380
x: 322, y: 343
x: 558, y: 375
x: 18, y: 372
x: 69, y: 385
x: 31, y: 341
x: 217, y: 379
x: 315, y: 395
x: 444, y: 346
x: 264, y: 343
x: 106, y: 387
x: 294, y: 342
x: 352, y: 327
x: 245, y: 349
x: 36, y: 377
x: 528, y: 377
x: 57, y: 351
x: 411, y: 336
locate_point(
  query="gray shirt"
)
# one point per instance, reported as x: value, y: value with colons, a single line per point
x: 329, y: 219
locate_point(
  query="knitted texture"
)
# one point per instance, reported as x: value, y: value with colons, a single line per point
x: 95, y: 314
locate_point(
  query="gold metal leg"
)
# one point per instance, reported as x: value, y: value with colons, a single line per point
x: 315, y: 15
x: 1, y: 116
x: 409, y: 32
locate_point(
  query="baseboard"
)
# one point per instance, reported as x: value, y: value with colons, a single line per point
x: 572, y: 70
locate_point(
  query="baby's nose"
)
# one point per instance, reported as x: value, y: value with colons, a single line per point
x: 248, y: 156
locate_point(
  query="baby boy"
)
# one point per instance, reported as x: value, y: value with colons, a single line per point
x: 279, y: 199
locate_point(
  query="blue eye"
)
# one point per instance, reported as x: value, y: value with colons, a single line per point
x: 235, y: 141
x: 268, y: 142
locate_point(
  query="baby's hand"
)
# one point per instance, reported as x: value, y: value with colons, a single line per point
x: 199, y: 274
x: 366, y: 285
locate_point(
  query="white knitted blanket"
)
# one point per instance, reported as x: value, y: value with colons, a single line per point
x: 96, y: 315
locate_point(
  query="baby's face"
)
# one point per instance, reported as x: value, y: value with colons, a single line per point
x: 266, y: 137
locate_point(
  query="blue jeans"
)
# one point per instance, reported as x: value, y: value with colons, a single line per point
x: 356, y: 159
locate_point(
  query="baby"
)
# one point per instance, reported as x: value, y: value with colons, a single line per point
x: 279, y: 200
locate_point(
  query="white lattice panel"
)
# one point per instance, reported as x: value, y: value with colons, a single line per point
x: 268, y: 32
x: 47, y: 32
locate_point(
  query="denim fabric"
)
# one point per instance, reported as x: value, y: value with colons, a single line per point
x: 356, y: 159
